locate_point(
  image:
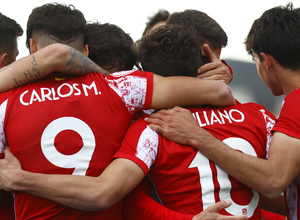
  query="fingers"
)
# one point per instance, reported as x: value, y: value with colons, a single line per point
x: 164, y: 113
x: 215, y: 71
x: 225, y: 204
x: 212, y: 68
x: 154, y: 121
x: 221, y: 205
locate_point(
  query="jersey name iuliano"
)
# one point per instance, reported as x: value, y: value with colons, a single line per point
x: 70, y: 125
x: 188, y: 182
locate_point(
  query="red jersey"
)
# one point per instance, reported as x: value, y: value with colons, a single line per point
x: 70, y: 125
x: 188, y: 182
x: 289, y: 123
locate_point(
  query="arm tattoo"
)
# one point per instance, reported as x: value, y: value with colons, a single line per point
x: 79, y: 64
x: 29, y: 75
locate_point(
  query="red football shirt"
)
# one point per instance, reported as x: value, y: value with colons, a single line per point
x: 188, y: 182
x: 289, y: 123
x: 70, y: 125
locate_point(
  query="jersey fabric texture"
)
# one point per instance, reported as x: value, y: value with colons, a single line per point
x: 289, y: 124
x: 188, y: 182
x: 70, y: 125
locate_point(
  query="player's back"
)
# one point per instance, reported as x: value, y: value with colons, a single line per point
x: 69, y: 125
x: 188, y: 182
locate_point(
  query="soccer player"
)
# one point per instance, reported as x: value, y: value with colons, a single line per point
x: 74, y: 125
x: 273, y: 41
x: 185, y: 180
x: 10, y: 30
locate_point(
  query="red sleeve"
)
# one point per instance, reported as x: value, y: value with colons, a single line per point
x: 289, y: 117
x: 146, y: 208
x: 223, y: 61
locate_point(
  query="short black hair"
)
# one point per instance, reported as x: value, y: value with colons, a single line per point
x: 205, y: 27
x: 10, y: 30
x: 61, y: 22
x: 277, y: 33
x: 170, y: 50
x: 110, y: 46
x: 161, y: 15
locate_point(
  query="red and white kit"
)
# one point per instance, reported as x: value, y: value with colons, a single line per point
x: 70, y: 125
x: 188, y: 182
x: 289, y: 123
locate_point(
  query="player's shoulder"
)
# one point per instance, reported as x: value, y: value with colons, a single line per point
x: 293, y: 98
x: 127, y: 73
x: 249, y: 105
x: 258, y: 108
x: 253, y: 105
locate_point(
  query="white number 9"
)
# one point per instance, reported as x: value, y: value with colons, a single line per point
x: 80, y: 160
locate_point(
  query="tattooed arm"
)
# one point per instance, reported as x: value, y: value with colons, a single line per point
x: 56, y: 57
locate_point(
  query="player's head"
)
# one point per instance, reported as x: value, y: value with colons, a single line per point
x: 206, y: 29
x: 170, y: 50
x: 110, y: 47
x: 10, y: 30
x: 156, y: 20
x: 277, y: 33
x: 55, y: 23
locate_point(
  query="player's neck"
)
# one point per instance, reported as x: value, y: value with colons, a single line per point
x: 290, y: 81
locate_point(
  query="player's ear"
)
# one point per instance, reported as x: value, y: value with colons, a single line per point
x: 86, y: 50
x: 267, y: 60
x: 33, y: 45
x: 4, y: 59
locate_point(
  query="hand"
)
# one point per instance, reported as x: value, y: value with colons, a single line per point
x: 9, y: 166
x: 176, y: 124
x: 212, y: 212
x: 215, y: 70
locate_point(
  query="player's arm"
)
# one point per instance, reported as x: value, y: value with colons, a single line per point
x: 269, y: 177
x: 189, y: 91
x: 80, y: 192
x: 146, y: 208
x: 56, y: 57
